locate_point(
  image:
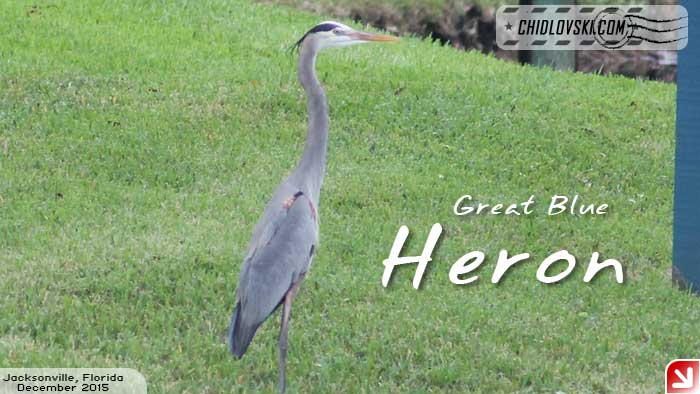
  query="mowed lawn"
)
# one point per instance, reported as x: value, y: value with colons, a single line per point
x: 409, y: 8
x: 139, y: 142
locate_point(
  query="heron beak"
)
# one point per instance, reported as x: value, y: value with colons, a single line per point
x: 364, y: 36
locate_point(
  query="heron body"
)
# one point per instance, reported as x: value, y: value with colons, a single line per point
x: 284, y: 240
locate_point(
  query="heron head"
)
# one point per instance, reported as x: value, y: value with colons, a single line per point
x: 331, y: 34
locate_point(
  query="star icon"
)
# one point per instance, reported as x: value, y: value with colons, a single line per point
x: 508, y: 26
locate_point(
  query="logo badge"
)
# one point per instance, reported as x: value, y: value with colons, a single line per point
x: 683, y: 377
x: 589, y: 27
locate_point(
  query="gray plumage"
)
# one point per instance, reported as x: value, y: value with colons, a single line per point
x: 271, y: 270
x: 283, y: 243
x: 279, y: 251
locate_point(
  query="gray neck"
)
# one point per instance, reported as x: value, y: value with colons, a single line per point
x: 313, y: 162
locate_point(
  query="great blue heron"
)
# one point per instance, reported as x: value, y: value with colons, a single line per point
x: 280, y: 252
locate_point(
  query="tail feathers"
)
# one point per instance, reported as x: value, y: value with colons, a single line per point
x: 239, y: 335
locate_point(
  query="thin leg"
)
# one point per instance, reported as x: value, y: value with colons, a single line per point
x: 286, y: 308
x: 284, y: 326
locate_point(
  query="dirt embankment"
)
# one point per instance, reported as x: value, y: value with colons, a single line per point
x: 470, y: 27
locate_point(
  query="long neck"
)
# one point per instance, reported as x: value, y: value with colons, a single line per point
x: 313, y: 162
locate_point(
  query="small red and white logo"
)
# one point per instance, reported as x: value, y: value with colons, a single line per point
x: 683, y: 377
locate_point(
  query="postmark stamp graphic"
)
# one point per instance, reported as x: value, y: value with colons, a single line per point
x: 607, y: 27
x: 613, y: 28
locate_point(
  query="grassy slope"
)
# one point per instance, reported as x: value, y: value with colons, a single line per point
x: 435, y: 7
x: 143, y: 141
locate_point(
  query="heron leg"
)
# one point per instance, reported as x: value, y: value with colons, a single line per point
x: 284, y: 326
x: 286, y: 307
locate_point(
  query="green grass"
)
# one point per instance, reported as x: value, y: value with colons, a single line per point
x: 408, y: 8
x: 144, y: 138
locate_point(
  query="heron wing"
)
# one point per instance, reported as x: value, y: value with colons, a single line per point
x: 278, y: 255
x: 273, y: 218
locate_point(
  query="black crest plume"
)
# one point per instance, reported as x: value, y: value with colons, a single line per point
x: 326, y: 26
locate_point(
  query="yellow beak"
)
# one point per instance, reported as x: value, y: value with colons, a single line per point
x: 364, y: 36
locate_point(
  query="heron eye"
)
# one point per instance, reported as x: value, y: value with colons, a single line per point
x: 336, y: 31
